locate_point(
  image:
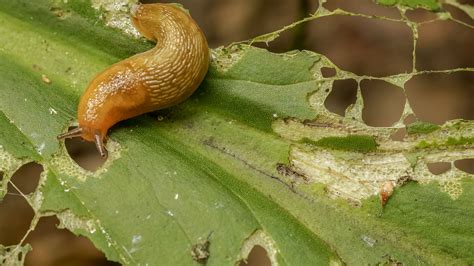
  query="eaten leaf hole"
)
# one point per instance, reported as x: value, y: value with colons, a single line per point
x: 361, y: 45
x: 383, y: 103
x: 259, y: 239
x: 84, y: 153
x: 342, y: 95
x: 439, y: 168
x: 1, y: 176
x: 466, y: 165
x: 410, y: 119
x: 399, y: 135
x: 448, y: 50
x: 466, y: 2
x: 15, y: 217
x: 458, y: 14
x: 53, y: 246
x: 240, y: 21
x: 328, y: 72
x: 26, y: 178
x: 257, y: 257
x: 420, y: 15
x: 437, y: 98
x: 14, y: 255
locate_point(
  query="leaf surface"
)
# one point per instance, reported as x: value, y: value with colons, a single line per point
x: 229, y: 165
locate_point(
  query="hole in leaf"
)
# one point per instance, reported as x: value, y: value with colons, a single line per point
x: 420, y: 15
x: 84, y: 153
x: 281, y: 11
x: 466, y: 165
x: 53, y: 246
x: 466, y: 2
x: 437, y: 98
x: 328, y: 72
x: 257, y: 257
x: 27, y: 177
x: 448, y: 50
x: 410, y: 119
x: 383, y: 103
x: 1, y: 176
x: 458, y: 14
x: 15, y: 217
x: 362, y: 46
x: 439, y: 168
x: 343, y: 94
x: 247, y: 19
x: 399, y: 135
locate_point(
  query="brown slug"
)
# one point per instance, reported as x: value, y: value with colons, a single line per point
x: 159, y: 78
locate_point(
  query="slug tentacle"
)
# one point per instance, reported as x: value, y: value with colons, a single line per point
x: 100, y: 145
x: 77, y: 132
x: 159, y: 78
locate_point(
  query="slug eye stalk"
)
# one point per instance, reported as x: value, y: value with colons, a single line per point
x: 77, y: 132
x: 99, y: 144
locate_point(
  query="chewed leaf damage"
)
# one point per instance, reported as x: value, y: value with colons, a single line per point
x: 323, y: 150
x: 261, y: 239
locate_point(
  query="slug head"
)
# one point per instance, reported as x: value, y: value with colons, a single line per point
x: 143, y: 16
x: 146, y: 17
x: 87, y: 134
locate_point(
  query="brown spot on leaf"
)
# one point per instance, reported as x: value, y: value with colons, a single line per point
x: 45, y: 79
x: 385, y: 192
x: 200, y: 251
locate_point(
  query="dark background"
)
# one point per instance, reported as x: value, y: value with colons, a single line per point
x: 363, y: 46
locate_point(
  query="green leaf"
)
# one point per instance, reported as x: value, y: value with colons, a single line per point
x: 427, y: 4
x: 229, y: 165
x: 421, y: 128
x: 163, y: 196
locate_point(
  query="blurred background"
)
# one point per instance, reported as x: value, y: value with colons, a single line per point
x: 360, y: 45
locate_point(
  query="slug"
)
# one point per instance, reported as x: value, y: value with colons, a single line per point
x: 156, y: 79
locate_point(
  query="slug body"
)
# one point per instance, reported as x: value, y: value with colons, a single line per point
x: 159, y: 78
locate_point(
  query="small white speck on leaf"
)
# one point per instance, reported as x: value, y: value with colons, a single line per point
x: 136, y: 239
x: 45, y: 79
x: 218, y: 205
x: 52, y: 111
x: 41, y: 148
x: 369, y: 241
